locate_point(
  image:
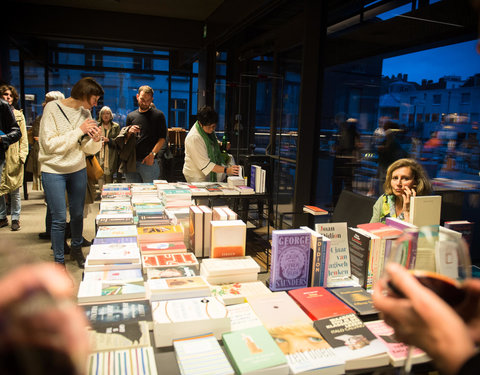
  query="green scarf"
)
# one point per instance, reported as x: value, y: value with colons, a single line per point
x: 213, y: 149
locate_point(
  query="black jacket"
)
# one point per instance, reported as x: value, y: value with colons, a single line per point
x: 9, y: 129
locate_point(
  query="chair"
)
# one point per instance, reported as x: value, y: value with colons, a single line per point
x: 353, y: 208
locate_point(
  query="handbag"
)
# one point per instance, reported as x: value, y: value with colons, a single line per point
x: 94, y: 170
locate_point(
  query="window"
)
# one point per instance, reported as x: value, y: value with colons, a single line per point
x: 437, y: 99
x: 465, y: 98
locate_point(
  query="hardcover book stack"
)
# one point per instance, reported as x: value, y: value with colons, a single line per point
x: 144, y: 192
x: 175, y: 198
x: 116, y: 193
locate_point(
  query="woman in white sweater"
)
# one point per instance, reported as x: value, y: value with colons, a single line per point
x: 67, y: 134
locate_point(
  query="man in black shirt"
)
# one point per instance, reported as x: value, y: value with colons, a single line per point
x: 148, y: 128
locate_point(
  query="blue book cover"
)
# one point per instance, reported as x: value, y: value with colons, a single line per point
x: 253, y: 172
x: 109, y: 240
x: 290, y: 259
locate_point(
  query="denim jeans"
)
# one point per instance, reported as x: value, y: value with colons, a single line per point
x: 15, y: 205
x: 144, y: 173
x: 55, y: 186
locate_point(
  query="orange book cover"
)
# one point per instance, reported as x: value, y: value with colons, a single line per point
x: 319, y: 303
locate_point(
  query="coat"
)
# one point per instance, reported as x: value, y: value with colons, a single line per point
x: 15, y: 157
x: 126, y: 151
x: 112, y: 161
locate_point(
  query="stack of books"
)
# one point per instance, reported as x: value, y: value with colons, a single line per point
x: 229, y: 270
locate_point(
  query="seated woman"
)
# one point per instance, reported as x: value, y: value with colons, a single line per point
x: 405, y: 178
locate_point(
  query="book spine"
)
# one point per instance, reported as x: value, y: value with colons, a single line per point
x: 317, y: 266
x: 326, y: 246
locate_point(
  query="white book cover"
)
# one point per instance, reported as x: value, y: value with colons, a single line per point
x: 196, y: 230
x: 234, y: 293
x: 123, y: 361
x: 117, y: 231
x: 263, y: 180
x: 242, y: 316
x: 177, y: 287
x: 219, y: 214
x: 112, y: 275
x: 228, y: 238
x: 201, y: 355
x: 230, y: 265
x: 231, y: 278
x: 179, y: 318
x: 232, y: 215
x: 114, y: 253
x: 116, y: 290
x: 339, y: 257
x: 425, y: 210
x: 207, y: 230
x: 109, y: 267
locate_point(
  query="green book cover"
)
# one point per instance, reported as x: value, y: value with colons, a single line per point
x: 252, y: 349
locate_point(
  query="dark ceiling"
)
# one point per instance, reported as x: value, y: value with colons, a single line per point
x: 250, y: 27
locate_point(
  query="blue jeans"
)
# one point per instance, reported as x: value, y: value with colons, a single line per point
x: 55, y: 186
x: 144, y: 173
x: 15, y: 205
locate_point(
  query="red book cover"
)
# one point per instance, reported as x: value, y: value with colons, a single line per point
x: 167, y: 260
x: 319, y: 303
x: 380, y: 229
x: 163, y: 248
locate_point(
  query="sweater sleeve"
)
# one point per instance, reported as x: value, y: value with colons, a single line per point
x: 199, y: 154
x: 377, y: 208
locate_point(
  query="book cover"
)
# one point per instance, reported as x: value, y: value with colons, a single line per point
x: 253, y: 349
x: 234, y: 293
x: 319, y: 303
x: 242, y: 316
x: 463, y: 226
x: 313, y: 210
x: 111, y: 240
x: 201, y: 355
x: 118, y: 311
x: 228, y: 238
x: 397, y: 351
x: 116, y: 290
x: 111, y: 275
x: 207, y: 230
x: 359, y: 246
x: 229, y: 266
x: 425, y: 210
x: 196, y: 230
x: 177, y: 287
x: 117, y: 231
x: 186, y: 317
x: 353, y: 341
x: 118, y: 335
x: 115, y: 221
x: 110, y: 267
x: 164, y: 233
x: 339, y: 255
x: 169, y: 272
x: 357, y: 298
x: 113, y: 253
x: 169, y: 260
x: 162, y: 248
x: 122, y: 361
x: 243, y: 189
x: 218, y: 214
x: 290, y: 259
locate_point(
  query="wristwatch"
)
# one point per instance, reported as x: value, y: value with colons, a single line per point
x: 154, y: 154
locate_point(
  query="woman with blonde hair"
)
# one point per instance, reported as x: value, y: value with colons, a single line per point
x: 405, y: 178
x: 108, y: 156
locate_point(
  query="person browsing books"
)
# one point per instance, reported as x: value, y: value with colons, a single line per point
x: 203, y: 158
x: 450, y: 337
x: 405, y: 179
x: 67, y: 134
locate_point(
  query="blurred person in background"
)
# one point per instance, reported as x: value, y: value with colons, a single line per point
x: 15, y: 157
x: 108, y: 157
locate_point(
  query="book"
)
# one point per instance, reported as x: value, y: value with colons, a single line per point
x: 359, y: 246
x: 201, y: 355
x: 353, y: 341
x: 228, y: 238
x: 105, y: 290
x: 207, y: 230
x: 243, y: 189
x: 339, y: 257
x: 319, y: 303
x: 196, y: 230
x: 175, y: 319
x: 290, y: 259
x: 320, y: 246
x: 425, y: 210
x: 358, y: 299
x: 117, y: 231
x: 397, y: 351
x: 110, y: 240
x: 122, y: 362
x: 463, y: 226
x: 164, y: 233
x: 169, y: 272
x: 118, y: 335
x: 228, y: 266
x: 115, y: 220
x: 234, y: 293
x: 109, y: 267
x: 111, y: 275
x: 162, y: 248
x: 253, y: 351
x: 242, y: 316
x: 231, y: 215
x: 218, y: 214
x: 313, y: 210
x: 125, y: 311
x: 169, y: 260
x: 177, y: 288
x: 113, y: 253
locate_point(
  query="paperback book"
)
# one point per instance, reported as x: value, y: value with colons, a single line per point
x: 118, y: 335
x: 169, y: 260
x: 176, y: 319
x: 111, y: 312
x: 133, y: 361
x: 117, y: 231
x: 113, y: 253
x: 358, y: 299
x: 169, y: 272
x: 320, y: 246
x: 290, y: 259
x: 238, y: 292
x: 228, y: 238
x: 177, y: 288
x: 162, y: 248
x: 98, y: 291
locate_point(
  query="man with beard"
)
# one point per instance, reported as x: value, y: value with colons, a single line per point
x: 141, y: 139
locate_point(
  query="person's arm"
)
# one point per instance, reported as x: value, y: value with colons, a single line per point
x: 423, y: 319
x: 10, y: 127
x: 377, y: 207
x: 149, y: 159
x: 24, y: 140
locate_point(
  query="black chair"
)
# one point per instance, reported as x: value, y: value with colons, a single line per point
x: 353, y: 208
